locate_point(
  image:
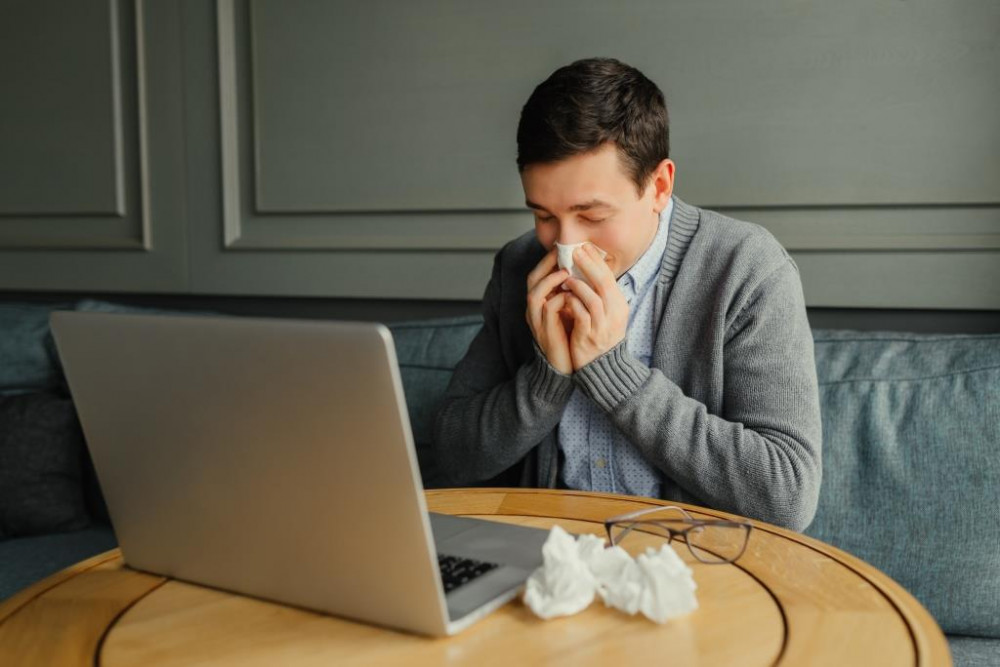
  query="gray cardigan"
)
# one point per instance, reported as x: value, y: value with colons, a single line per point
x: 728, y: 409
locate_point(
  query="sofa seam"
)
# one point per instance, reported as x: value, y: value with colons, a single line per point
x: 908, y: 340
x: 456, y: 325
x: 913, y: 379
x: 424, y: 367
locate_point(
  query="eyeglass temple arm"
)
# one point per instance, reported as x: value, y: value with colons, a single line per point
x: 648, y: 510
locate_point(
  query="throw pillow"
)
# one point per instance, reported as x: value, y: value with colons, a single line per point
x: 26, y: 349
x: 41, y: 465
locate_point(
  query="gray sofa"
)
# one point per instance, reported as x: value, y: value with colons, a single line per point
x: 911, y: 458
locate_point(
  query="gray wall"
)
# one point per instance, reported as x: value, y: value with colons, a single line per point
x: 365, y: 150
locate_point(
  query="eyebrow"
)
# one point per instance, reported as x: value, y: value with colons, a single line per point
x: 586, y: 206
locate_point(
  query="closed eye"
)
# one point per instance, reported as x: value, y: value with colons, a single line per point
x: 550, y: 218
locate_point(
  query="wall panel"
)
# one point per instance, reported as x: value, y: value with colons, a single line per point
x: 368, y: 150
x: 91, y: 194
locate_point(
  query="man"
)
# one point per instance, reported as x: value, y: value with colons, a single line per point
x: 681, y: 366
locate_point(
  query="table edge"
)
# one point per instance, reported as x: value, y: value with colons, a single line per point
x: 23, y: 597
x: 930, y: 644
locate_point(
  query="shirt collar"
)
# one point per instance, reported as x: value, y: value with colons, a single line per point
x: 647, y: 266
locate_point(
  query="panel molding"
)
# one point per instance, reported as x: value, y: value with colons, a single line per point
x: 160, y: 262
x: 247, y: 226
x: 120, y: 230
x: 925, y: 249
x: 229, y: 145
x: 878, y: 228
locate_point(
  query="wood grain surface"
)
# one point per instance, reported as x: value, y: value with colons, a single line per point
x: 789, y: 600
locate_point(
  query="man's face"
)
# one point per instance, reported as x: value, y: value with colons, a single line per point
x: 589, y: 197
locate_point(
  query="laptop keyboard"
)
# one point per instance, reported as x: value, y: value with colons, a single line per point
x: 457, y: 571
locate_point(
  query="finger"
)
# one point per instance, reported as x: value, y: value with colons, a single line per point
x: 548, y: 284
x: 607, y: 288
x: 583, y: 320
x: 554, y: 330
x: 594, y: 269
x: 543, y: 268
x: 533, y: 316
x: 555, y: 304
x: 539, y: 295
x: 585, y: 293
x: 590, y: 300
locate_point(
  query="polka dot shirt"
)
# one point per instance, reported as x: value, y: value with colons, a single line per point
x: 598, y: 457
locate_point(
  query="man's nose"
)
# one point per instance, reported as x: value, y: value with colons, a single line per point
x: 570, y: 233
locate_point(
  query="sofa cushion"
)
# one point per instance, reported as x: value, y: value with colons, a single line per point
x: 41, y: 465
x: 98, y: 306
x: 27, y: 360
x: 428, y: 352
x: 28, y: 559
x: 974, y: 651
x: 911, y: 459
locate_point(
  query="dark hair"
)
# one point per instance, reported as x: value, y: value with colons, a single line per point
x: 588, y: 103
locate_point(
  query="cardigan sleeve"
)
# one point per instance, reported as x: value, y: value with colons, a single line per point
x: 489, y: 418
x: 761, y: 457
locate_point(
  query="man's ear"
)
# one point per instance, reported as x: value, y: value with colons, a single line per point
x: 662, y: 181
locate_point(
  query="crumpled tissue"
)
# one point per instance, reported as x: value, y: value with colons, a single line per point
x: 564, y: 253
x: 657, y: 583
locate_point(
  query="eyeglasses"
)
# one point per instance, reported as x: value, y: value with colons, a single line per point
x: 711, y: 541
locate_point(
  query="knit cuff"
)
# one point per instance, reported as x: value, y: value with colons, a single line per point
x: 612, y: 377
x: 546, y: 383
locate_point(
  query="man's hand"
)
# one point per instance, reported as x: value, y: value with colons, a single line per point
x: 600, y: 314
x: 546, y: 300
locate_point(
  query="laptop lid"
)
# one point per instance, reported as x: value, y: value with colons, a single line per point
x: 267, y: 457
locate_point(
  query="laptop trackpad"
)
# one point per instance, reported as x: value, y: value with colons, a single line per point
x: 492, y: 541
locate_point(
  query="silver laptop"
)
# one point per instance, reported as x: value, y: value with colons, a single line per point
x: 274, y: 458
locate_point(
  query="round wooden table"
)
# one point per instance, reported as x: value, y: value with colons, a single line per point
x: 789, y: 600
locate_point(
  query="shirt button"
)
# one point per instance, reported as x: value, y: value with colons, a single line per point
x: 600, y: 463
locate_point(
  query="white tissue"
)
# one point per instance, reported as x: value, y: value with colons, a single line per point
x: 565, y: 258
x: 657, y: 583
x: 563, y: 585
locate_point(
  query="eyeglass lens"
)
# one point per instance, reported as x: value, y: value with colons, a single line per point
x: 711, y: 543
